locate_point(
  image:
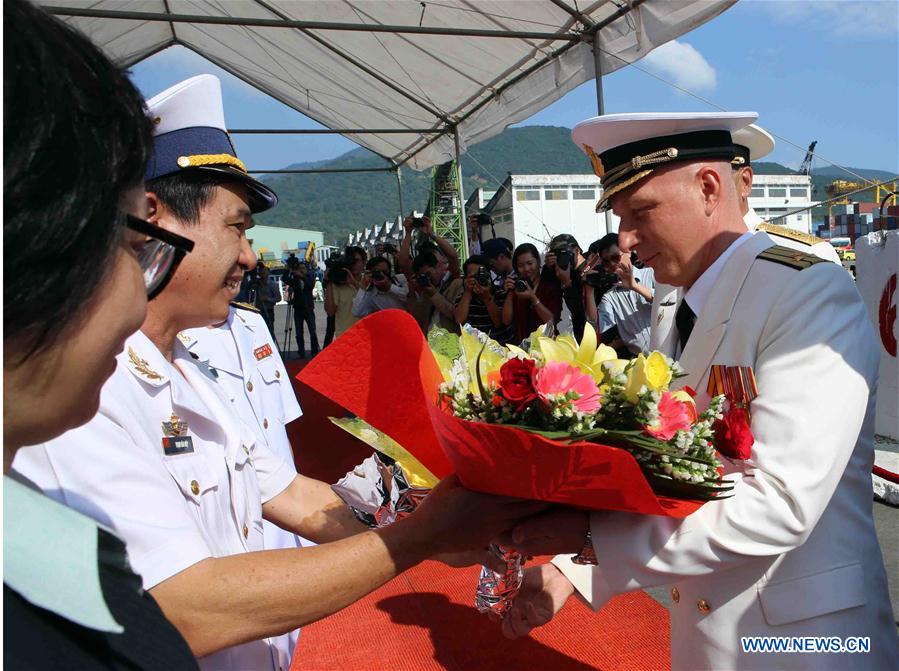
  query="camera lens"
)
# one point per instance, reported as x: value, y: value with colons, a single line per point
x: 521, y: 285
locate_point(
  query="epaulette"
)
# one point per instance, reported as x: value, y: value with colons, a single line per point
x: 793, y: 258
x: 784, y: 232
x: 244, y: 306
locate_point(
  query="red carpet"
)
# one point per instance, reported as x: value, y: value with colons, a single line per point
x: 425, y: 620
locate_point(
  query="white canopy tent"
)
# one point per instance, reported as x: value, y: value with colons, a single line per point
x: 414, y: 82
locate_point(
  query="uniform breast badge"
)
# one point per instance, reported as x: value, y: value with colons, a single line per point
x: 175, y: 439
x: 262, y: 352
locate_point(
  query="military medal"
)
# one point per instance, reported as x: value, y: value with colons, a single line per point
x: 262, y: 352
x: 175, y: 439
x: 736, y: 383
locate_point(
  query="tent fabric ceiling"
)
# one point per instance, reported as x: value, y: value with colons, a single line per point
x: 390, y: 80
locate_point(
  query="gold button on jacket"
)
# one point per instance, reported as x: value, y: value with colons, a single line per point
x: 195, y: 487
x: 675, y: 595
x: 249, y: 386
x: 703, y: 606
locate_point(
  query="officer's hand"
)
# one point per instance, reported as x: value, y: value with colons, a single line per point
x: 453, y: 519
x: 543, y: 592
x: 559, y: 530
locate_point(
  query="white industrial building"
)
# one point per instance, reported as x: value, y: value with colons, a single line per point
x: 534, y: 208
x: 774, y: 195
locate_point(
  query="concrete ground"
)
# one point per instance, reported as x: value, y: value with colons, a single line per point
x: 886, y: 517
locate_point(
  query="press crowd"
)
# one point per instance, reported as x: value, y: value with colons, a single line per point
x: 500, y: 289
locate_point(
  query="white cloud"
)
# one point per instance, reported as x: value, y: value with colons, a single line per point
x: 683, y: 64
x: 841, y: 18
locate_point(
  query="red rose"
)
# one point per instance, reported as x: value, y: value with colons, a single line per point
x: 733, y: 437
x: 517, y: 382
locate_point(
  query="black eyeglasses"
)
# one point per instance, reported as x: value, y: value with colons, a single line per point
x: 159, y: 257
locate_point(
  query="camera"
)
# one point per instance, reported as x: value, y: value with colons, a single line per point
x: 482, y: 277
x: 564, y: 256
x: 378, y: 275
x: 417, y: 219
x: 338, y: 269
x: 522, y: 285
x: 423, y: 280
x: 601, y: 280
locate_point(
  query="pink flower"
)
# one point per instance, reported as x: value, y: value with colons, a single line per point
x: 674, y: 415
x: 557, y: 378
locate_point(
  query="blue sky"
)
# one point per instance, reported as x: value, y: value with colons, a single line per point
x: 813, y: 69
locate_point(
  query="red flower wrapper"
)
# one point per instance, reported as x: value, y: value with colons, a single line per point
x: 382, y: 370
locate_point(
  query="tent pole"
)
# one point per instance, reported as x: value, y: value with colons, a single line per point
x: 399, y: 190
x: 464, y: 231
x: 600, y: 103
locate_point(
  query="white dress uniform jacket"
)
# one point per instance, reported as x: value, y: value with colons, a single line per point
x: 249, y: 369
x: 793, y: 552
x: 174, y: 503
x: 667, y: 298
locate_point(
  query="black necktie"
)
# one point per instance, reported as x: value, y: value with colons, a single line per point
x: 684, y: 319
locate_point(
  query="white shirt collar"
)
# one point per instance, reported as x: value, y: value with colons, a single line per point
x: 697, y: 295
x: 752, y: 219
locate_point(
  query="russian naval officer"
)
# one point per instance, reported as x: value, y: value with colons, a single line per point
x: 174, y: 471
x: 793, y: 552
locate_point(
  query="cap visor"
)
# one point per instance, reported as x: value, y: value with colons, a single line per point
x: 262, y: 198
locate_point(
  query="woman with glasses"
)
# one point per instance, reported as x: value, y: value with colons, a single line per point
x: 74, y: 203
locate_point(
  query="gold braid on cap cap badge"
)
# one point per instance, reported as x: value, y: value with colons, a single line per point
x: 210, y: 159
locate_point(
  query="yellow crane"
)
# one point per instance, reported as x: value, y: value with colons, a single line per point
x: 841, y: 186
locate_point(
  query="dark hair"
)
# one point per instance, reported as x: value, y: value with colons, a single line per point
x: 374, y: 261
x: 524, y: 248
x: 425, y: 259
x: 352, y: 251
x: 496, y: 247
x: 76, y: 138
x: 606, y: 241
x: 186, y: 193
x: 427, y: 246
x: 475, y: 259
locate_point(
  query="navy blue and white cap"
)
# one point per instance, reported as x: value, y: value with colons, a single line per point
x: 189, y: 133
x: 625, y: 148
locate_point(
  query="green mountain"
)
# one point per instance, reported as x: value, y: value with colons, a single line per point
x: 338, y: 203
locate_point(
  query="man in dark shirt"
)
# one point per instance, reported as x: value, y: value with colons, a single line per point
x: 300, y: 287
x: 564, y: 264
x: 481, y: 303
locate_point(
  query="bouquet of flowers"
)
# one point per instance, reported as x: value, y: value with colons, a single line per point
x: 568, y: 391
x: 554, y: 420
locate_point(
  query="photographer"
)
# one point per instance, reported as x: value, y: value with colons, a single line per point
x: 481, y: 303
x: 565, y: 264
x: 627, y: 306
x: 299, y: 293
x: 439, y: 288
x: 267, y: 297
x: 379, y: 289
x: 498, y: 252
x: 340, y: 290
x: 532, y: 302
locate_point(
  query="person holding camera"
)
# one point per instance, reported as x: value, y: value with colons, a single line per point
x: 481, y: 303
x: 379, y: 289
x: 625, y: 310
x: 267, y: 297
x: 532, y: 302
x: 340, y: 290
x: 565, y: 264
x: 300, y: 288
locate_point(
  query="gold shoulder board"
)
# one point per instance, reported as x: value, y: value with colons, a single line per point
x: 784, y: 232
x: 793, y: 258
x: 244, y: 306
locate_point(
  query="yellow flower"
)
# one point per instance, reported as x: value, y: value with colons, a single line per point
x: 652, y: 372
x: 587, y: 356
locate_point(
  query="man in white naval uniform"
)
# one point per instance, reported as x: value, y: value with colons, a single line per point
x: 240, y: 354
x: 169, y: 465
x: 793, y: 552
x: 754, y: 143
